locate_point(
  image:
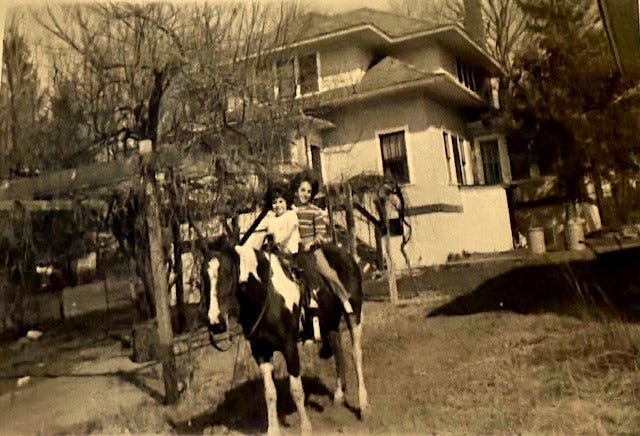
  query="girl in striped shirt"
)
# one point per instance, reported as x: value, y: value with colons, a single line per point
x: 313, y: 232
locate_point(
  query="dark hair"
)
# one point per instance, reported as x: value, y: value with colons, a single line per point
x: 277, y: 190
x: 306, y: 176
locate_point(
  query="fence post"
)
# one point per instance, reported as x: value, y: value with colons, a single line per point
x: 350, y: 219
x: 391, y: 270
x: 163, y: 315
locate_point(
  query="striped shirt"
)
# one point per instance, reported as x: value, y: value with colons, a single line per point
x: 311, y: 223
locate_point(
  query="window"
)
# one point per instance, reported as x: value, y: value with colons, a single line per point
x: 283, y: 151
x: 457, y: 144
x: 445, y: 137
x: 491, y: 162
x: 264, y: 82
x: 394, y: 156
x: 285, y: 74
x: 308, y: 71
x: 466, y: 75
x: 454, y: 149
x: 395, y: 227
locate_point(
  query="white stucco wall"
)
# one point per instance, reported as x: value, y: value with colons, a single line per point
x: 482, y: 227
x: 342, y: 65
x: 429, y: 57
x: 448, y: 62
x: 485, y: 223
x: 353, y: 146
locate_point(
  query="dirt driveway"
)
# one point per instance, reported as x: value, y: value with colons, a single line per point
x: 435, y: 364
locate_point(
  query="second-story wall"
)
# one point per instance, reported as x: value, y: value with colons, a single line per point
x: 428, y: 57
x: 342, y: 65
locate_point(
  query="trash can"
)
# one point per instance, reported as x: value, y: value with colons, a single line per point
x: 536, y: 240
x: 575, y: 235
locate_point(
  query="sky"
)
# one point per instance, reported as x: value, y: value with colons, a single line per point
x: 323, y: 6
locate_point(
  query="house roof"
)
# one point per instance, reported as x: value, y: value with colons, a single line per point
x: 314, y: 25
x: 378, y: 28
x: 390, y: 76
x: 389, y: 71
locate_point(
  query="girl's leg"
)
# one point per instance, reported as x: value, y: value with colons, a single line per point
x: 330, y: 274
x: 310, y: 283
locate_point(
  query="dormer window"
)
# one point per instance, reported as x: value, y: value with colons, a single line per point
x: 467, y: 75
x: 286, y: 77
x: 308, y: 72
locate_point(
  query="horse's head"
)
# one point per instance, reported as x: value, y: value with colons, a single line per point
x: 219, y: 283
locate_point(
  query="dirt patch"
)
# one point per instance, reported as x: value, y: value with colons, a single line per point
x: 475, y: 372
x: 483, y: 373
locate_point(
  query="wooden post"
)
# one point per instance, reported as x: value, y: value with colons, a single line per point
x: 391, y: 271
x: 179, y: 274
x: 351, y: 223
x: 331, y: 229
x: 163, y: 316
x: 177, y: 253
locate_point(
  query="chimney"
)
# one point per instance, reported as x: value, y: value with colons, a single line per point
x: 473, y: 22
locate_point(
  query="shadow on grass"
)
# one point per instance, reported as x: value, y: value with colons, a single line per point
x: 244, y: 409
x: 610, y: 284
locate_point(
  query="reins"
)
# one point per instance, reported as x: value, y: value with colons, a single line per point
x: 263, y: 310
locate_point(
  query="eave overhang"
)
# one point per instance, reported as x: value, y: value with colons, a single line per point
x: 440, y: 86
x: 368, y: 35
x: 622, y: 23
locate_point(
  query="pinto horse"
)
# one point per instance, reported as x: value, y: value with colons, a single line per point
x: 253, y: 287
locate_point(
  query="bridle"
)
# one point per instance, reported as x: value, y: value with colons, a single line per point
x: 255, y: 325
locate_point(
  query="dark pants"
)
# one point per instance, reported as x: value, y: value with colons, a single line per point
x: 311, y: 282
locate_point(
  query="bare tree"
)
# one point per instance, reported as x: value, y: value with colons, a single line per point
x: 19, y: 98
x: 503, y: 20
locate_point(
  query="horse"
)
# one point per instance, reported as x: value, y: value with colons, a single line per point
x: 252, y: 286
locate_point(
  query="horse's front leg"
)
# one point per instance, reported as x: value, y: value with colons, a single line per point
x: 271, y: 398
x: 292, y: 358
x: 355, y: 329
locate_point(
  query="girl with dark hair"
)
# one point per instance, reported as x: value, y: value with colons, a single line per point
x: 282, y: 223
x: 313, y: 232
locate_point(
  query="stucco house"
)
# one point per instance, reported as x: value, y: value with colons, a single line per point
x: 386, y: 94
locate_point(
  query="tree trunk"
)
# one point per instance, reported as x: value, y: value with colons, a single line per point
x: 163, y: 316
x: 153, y: 114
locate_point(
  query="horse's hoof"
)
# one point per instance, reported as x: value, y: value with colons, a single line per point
x: 338, y: 399
x: 305, y: 428
x: 273, y: 431
x: 364, y: 413
x: 325, y: 351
